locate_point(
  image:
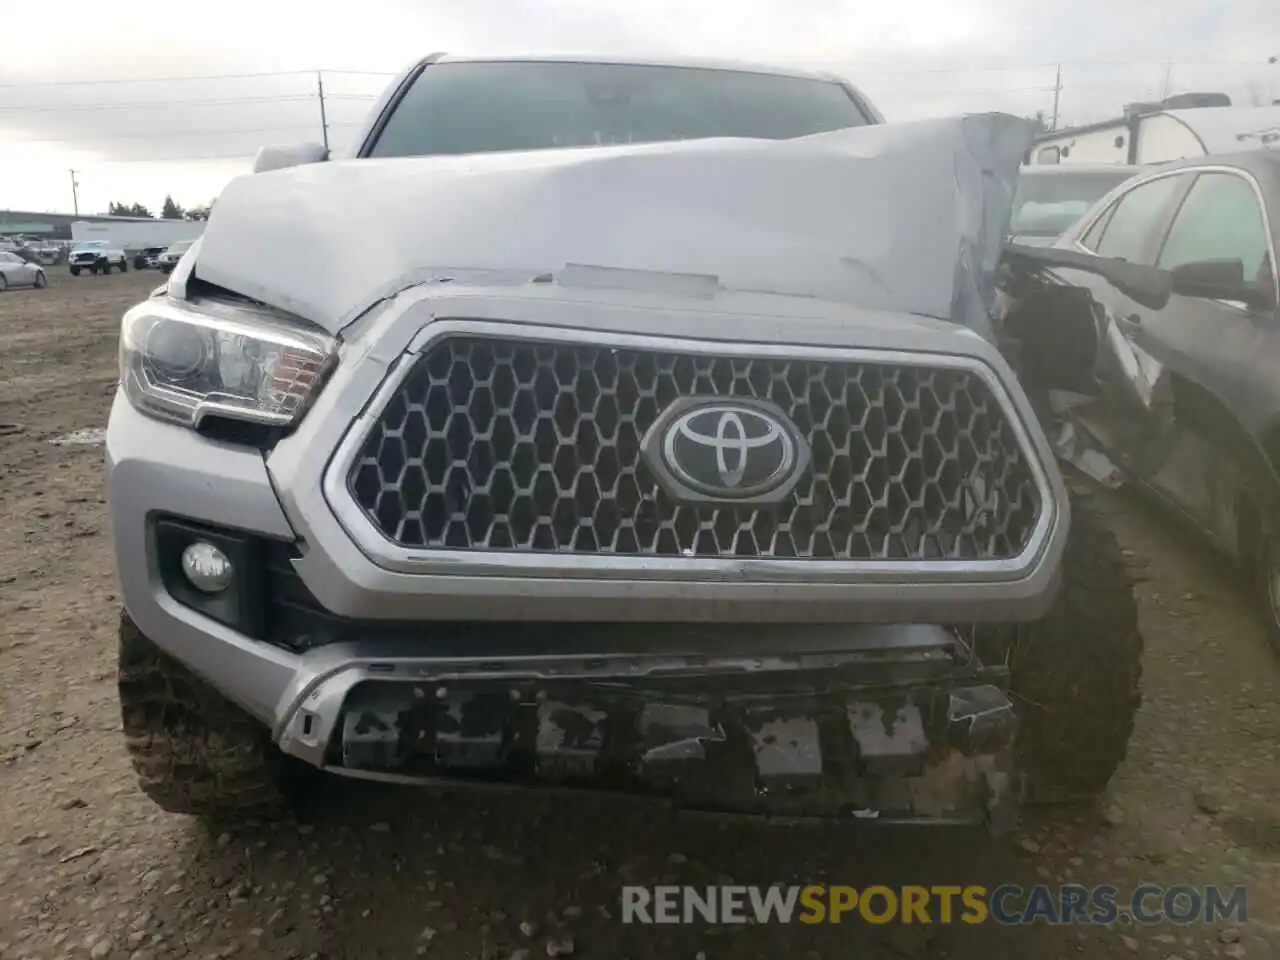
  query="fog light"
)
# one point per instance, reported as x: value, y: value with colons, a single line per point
x: 206, y: 567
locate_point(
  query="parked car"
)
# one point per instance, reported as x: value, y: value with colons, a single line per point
x: 655, y: 465
x: 97, y: 256
x: 172, y: 254
x: 147, y: 258
x: 17, y: 272
x: 1052, y: 198
x: 47, y: 254
x: 1183, y: 397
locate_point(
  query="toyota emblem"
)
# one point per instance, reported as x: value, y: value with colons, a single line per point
x: 712, y: 449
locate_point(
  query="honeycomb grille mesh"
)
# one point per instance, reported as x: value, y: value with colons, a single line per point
x: 531, y: 446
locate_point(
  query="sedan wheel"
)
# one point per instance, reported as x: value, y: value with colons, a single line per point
x: 41, y: 281
x: 4, y: 283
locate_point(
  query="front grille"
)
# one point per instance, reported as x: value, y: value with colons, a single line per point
x: 531, y: 446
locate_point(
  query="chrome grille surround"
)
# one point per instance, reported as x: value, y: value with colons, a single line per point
x: 937, y: 531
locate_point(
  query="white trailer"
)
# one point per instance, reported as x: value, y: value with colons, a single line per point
x: 1163, y: 135
x: 130, y: 234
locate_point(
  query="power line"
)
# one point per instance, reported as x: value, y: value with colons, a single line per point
x: 167, y: 134
x: 200, y: 158
x: 867, y: 67
x: 363, y: 73
x: 133, y: 104
x: 116, y: 80
x: 292, y: 98
x: 1057, y: 88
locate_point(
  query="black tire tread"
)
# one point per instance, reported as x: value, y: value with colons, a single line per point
x: 193, y: 751
x: 1076, y: 674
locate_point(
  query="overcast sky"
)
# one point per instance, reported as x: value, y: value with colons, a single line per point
x: 127, y: 133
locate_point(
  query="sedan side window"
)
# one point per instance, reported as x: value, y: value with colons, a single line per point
x: 1130, y: 230
x: 1220, y: 219
x: 1090, y: 240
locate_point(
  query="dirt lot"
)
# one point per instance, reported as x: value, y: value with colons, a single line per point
x: 89, y: 868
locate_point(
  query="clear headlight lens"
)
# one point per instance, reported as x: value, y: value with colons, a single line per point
x: 182, y: 363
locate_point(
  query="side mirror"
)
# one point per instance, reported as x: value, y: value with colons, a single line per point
x: 1221, y: 280
x: 280, y: 158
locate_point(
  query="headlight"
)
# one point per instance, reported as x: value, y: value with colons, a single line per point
x: 181, y: 363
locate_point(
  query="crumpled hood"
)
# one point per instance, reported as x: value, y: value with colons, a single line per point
x: 901, y: 217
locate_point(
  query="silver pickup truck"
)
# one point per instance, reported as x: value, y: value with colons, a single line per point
x: 654, y: 438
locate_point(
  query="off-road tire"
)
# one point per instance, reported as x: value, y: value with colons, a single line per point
x: 1076, y: 675
x: 75, y: 271
x: 124, y: 266
x: 193, y: 751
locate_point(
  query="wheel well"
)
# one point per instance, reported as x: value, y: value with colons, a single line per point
x: 1202, y: 412
x: 1248, y: 511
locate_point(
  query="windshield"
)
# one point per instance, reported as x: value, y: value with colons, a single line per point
x: 182, y: 246
x: 457, y: 108
x: 1047, y: 204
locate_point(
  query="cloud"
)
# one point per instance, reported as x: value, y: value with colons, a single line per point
x: 913, y: 57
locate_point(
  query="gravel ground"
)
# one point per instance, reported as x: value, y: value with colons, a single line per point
x: 89, y: 868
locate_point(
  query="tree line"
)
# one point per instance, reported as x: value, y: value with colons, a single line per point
x: 172, y: 210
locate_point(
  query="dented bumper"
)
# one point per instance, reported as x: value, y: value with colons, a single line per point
x: 896, y: 723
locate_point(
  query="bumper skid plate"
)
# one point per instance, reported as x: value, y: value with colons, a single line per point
x: 930, y: 747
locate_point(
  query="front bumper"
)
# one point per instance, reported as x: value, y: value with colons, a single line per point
x: 888, y: 724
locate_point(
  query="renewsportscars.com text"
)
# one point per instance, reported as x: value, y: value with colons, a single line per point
x: 1006, y: 904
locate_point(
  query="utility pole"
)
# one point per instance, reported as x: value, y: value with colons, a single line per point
x: 1057, y: 96
x: 1165, y: 86
x: 75, y: 197
x: 324, y: 120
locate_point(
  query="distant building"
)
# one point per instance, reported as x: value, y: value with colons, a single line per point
x: 51, y: 226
